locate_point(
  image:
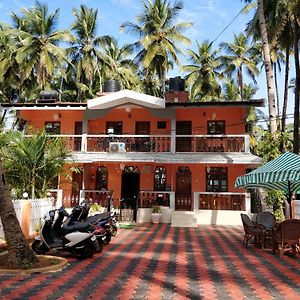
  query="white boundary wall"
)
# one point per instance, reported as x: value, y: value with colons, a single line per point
x: 39, y: 207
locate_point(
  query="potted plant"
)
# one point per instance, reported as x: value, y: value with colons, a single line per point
x: 156, y: 214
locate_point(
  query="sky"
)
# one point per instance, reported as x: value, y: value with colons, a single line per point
x: 209, y: 18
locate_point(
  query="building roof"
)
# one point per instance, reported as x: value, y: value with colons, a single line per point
x: 125, y: 97
x: 169, y: 158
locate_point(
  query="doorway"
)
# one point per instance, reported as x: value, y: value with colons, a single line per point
x: 129, y: 192
x: 183, y: 200
x: 183, y: 144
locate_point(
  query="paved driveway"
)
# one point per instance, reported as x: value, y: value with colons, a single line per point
x: 160, y: 262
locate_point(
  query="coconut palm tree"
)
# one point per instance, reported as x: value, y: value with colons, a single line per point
x: 203, y: 72
x: 267, y: 63
x: 118, y: 65
x: 39, y: 52
x: 159, y: 36
x: 31, y: 163
x: 240, y: 57
x: 84, y: 53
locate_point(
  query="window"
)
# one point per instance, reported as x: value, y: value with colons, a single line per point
x: 101, y: 178
x: 216, y: 179
x: 216, y: 127
x: 117, y: 127
x: 160, y: 179
x: 52, y: 127
x: 161, y: 124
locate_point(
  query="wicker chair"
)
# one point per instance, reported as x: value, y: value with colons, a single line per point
x: 252, y: 230
x: 268, y: 221
x: 286, y: 237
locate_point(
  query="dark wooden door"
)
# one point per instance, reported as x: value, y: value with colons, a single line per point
x: 77, y: 178
x: 142, y: 128
x: 183, y: 199
x: 77, y: 140
x: 183, y: 144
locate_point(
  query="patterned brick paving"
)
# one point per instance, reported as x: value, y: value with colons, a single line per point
x: 160, y: 262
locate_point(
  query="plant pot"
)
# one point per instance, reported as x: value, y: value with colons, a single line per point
x: 155, y: 217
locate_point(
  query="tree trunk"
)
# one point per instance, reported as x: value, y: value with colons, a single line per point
x: 19, y: 253
x: 277, y: 97
x: 286, y: 88
x: 297, y: 89
x: 268, y: 65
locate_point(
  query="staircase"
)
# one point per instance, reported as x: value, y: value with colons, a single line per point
x: 183, y: 219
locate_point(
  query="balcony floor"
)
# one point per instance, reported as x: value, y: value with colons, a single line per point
x: 183, y: 158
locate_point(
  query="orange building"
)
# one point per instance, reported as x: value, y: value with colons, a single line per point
x: 139, y: 150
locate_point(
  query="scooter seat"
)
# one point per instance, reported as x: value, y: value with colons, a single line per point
x: 98, y: 217
x: 76, y: 226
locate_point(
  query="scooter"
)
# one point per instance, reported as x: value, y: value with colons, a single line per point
x: 79, y: 240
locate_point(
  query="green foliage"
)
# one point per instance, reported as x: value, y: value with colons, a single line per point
x: 156, y: 209
x: 31, y: 163
x: 275, y: 199
x: 267, y: 145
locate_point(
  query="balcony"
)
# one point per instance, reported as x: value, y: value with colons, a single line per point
x: 158, y: 143
x: 220, y: 201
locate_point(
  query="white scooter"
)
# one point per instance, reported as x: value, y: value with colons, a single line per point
x: 79, y: 240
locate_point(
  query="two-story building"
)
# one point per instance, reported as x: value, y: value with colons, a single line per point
x: 141, y: 150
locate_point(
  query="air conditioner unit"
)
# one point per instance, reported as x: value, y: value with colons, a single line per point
x: 117, y: 147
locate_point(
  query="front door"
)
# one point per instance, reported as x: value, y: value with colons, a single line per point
x: 183, y: 144
x: 183, y: 193
x: 142, y: 143
x: 130, y: 191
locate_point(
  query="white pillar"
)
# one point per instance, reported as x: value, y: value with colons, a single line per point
x: 247, y: 143
x: 196, y: 201
x: 172, y: 200
x: 173, y: 135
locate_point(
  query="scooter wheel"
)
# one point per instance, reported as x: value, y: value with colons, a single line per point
x: 39, y: 247
x: 114, y: 230
x: 88, y: 250
x: 107, y: 238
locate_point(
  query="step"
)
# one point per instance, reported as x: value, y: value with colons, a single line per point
x: 183, y: 219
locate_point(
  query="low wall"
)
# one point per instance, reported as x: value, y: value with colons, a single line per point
x: 218, y: 217
x: 30, y: 214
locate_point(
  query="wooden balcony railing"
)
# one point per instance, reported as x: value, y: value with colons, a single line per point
x: 161, y: 198
x: 222, y: 201
x: 133, y: 143
x: 157, y: 144
x: 210, y: 143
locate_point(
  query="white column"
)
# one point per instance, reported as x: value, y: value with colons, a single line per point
x: 81, y: 195
x: 247, y: 203
x: 196, y: 201
x: 173, y: 135
x: 247, y: 143
x: 172, y: 200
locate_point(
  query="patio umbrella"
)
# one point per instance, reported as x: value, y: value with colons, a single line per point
x: 281, y: 173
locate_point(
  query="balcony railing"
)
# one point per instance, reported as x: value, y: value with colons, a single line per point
x: 220, y: 201
x: 133, y: 143
x: 147, y: 199
x: 157, y: 143
x: 210, y: 143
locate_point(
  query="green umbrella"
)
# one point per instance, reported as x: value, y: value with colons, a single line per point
x: 281, y: 173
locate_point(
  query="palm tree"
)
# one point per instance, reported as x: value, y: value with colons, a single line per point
x: 39, y: 52
x: 31, y: 163
x: 159, y: 36
x: 230, y: 90
x: 203, y: 72
x: 85, y: 54
x: 267, y: 63
x: 240, y: 56
x: 118, y: 65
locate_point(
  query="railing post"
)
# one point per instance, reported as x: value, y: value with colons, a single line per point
x: 173, y: 136
x: 196, y: 200
x: 247, y: 143
x: 82, y: 195
x: 247, y: 202
x: 84, y: 143
x: 172, y: 200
